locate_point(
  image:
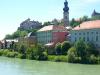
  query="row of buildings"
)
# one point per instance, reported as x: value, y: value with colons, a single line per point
x: 50, y: 35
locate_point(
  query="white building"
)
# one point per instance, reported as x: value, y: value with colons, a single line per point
x: 88, y: 31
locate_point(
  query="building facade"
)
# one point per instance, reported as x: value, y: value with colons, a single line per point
x: 88, y: 31
x: 51, y: 34
x: 66, y: 14
x: 8, y: 43
x: 29, y: 40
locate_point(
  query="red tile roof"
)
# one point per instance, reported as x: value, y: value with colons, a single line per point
x: 52, y: 27
x: 88, y: 25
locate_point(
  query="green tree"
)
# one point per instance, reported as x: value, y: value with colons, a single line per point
x: 93, y: 59
x: 58, y: 49
x: 47, y: 23
x: 95, y: 18
x: 22, y: 49
x: 41, y: 53
x: 74, y: 23
x: 65, y: 47
x: 81, y: 50
x: 84, y: 18
x: 55, y: 22
x: 72, y: 55
x: 8, y: 36
x: 30, y: 53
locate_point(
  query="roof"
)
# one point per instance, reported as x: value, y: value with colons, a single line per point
x: 10, y: 40
x: 52, y: 27
x: 46, y: 28
x: 49, y: 44
x: 88, y: 25
x: 95, y: 13
x: 31, y: 34
x: 68, y: 27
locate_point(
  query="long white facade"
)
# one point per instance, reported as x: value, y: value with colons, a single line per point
x: 88, y: 35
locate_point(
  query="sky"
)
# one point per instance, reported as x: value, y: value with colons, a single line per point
x: 13, y: 12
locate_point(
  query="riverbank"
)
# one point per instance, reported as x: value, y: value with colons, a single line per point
x: 13, y: 54
x: 45, y: 57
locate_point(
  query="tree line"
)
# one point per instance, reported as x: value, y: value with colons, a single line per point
x: 79, y: 52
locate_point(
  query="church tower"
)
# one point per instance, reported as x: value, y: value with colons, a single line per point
x: 66, y: 14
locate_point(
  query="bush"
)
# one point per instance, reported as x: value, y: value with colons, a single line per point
x: 98, y: 59
x: 57, y: 58
x: 22, y: 49
x: 61, y: 59
x: 29, y: 53
x: 5, y: 52
x: 1, y: 52
x: 51, y: 57
x: 72, y: 56
x: 58, y: 49
x: 81, y: 48
x: 21, y: 56
x: 93, y: 59
x: 43, y: 56
x: 12, y: 54
x: 65, y: 46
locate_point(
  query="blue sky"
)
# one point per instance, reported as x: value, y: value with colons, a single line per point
x: 13, y: 12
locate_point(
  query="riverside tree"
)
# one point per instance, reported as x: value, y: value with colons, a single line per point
x: 65, y: 47
x: 58, y: 49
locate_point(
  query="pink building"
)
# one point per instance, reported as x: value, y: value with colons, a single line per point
x: 51, y: 35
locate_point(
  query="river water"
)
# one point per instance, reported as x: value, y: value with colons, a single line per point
x: 11, y: 66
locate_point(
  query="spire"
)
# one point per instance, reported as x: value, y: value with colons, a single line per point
x: 94, y: 11
x: 66, y: 14
x: 66, y: 8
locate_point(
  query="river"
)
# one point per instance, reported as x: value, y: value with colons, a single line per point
x: 13, y: 66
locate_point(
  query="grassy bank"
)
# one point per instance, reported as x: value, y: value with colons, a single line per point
x: 45, y: 57
x: 10, y: 53
x: 55, y: 58
x: 13, y: 54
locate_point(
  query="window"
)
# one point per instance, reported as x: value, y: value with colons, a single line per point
x: 96, y: 38
x: 87, y: 33
x: 87, y: 38
x: 96, y: 32
x: 75, y: 33
x: 84, y: 38
x: 79, y: 33
x: 83, y: 33
x: 91, y: 32
x: 75, y: 39
x: 96, y: 45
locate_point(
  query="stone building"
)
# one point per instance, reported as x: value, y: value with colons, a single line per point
x: 95, y: 14
x: 27, y: 25
x: 88, y: 31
